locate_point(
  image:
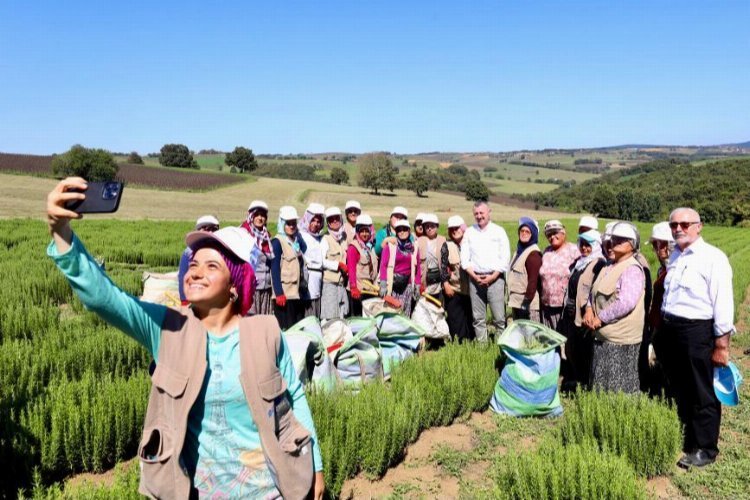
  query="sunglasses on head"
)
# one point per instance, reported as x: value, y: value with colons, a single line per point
x: 683, y: 224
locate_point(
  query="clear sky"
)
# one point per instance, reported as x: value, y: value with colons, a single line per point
x: 403, y: 76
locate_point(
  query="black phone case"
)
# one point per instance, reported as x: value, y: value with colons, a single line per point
x: 96, y: 202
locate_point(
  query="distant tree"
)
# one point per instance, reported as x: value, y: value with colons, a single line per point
x: 177, y: 155
x: 135, y: 158
x: 339, y: 176
x: 242, y: 158
x: 91, y: 164
x: 477, y: 190
x: 376, y: 172
x: 457, y: 169
x: 419, y: 181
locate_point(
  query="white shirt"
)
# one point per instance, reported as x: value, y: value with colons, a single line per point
x: 699, y: 286
x: 314, y: 262
x: 485, y: 250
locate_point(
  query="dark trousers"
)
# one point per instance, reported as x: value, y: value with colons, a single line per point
x: 355, y: 307
x: 458, y: 310
x: 292, y: 312
x: 688, y: 366
x: 579, y: 349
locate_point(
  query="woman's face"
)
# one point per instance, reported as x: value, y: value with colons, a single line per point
x: 622, y: 248
x: 290, y: 227
x: 661, y: 248
x: 418, y: 229
x: 395, y: 218
x: 260, y: 218
x: 456, y: 233
x: 334, y: 222
x: 556, y: 239
x: 402, y: 233
x: 351, y: 215
x: 208, y: 282
x: 524, y: 234
x: 364, y: 233
x: 316, y: 224
x: 584, y: 247
x: 430, y: 230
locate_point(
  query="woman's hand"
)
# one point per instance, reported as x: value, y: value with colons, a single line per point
x: 588, y: 318
x: 320, y: 486
x: 448, y: 289
x: 58, y: 217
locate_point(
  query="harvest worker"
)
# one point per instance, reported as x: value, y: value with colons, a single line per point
x: 523, y: 278
x: 555, y: 271
x: 352, y: 209
x: 389, y: 231
x: 418, y: 229
x: 616, y: 315
x: 485, y: 253
x: 207, y: 223
x: 456, y: 282
x: 361, y: 264
x: 579, y: 346
x: 256, y: 225
x: 429, y: 255
x: 400, y: 273
x: 587, y: 223
x: 207, y: 431
x: 311, y: 230
x: 698, y: 319
x: 334, y: 302
x: 288, y: 269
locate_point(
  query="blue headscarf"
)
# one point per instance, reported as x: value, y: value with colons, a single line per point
x: 532, y: 225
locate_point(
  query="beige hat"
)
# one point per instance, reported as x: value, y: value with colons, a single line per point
x: 553, y: 225
x: 234, y: 239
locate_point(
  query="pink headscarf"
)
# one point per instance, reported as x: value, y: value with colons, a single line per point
x: 241, y: 274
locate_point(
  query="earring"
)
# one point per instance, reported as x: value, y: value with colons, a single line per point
x: 233, y: 297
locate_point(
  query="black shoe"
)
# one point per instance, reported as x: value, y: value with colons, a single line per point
x: 699, y: 458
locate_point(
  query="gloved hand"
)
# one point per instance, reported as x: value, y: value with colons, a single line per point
x: 281, y: 300
x: 525, y: 305
x: 422, y: 288
x: 342, y: 267
x: 383, y: 289
x: 184, y: 302
x: 356, y: 294
x: 392, y: 301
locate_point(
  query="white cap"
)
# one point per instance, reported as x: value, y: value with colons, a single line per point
x: 363, y: 220
x: 331, y: 211
x: 419, y: 217
x: 608, y: 229
x: 430, y: 219
x: 316, y: 209
x: 352, y: 204
x: 553, y: 225
x: 235, y: 239
x: 288, y: 213
x: 206, y: 220
x: 662, y: 232
x: 400, y: 210
x: 402, y: 223
x: 625, y: 230
x: 455, y: 221
x: 589, y: 222
x: 257, y: 204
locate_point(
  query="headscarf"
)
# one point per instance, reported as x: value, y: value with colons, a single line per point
x: 241, y: 274
x: 262, y: 237
x: 592, y: 238
x: 534, y: 228
x: 304, y: 224
x: 405, y: 246
x: 340, y: 233
x: 281, y: 229
x: 371, y: 242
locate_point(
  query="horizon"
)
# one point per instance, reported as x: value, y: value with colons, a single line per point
x: 341, y: 77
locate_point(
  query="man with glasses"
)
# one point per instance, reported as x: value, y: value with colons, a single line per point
x: 207, y: 223
x: 352, y: 209
x: 697, y: 322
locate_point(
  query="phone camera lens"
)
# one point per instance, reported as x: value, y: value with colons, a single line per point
x: 111, y: 190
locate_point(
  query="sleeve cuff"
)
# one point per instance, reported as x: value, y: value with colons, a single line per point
x: 720, y: 331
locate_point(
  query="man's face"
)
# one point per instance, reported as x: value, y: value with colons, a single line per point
x: 482, y: 215
x: 685, y: 227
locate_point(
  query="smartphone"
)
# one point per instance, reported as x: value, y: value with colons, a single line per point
x: 102, y: 197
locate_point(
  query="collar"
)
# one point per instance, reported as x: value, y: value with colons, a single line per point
x: 693, y: 248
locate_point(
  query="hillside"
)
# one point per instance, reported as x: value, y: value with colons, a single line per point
x: 719, y: 190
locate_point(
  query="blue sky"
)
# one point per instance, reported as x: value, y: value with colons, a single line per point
x: 408, y: 77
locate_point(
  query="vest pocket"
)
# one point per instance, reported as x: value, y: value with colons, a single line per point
x: 155, y: 445
x: 169, y: 381
x: 293, y: 437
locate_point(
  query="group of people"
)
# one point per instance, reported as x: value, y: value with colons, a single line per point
x: 227, y: 415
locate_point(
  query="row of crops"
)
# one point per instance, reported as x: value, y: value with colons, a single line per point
x: 73, y: 390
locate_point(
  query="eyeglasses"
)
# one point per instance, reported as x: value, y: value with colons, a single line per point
x: 684, y: 225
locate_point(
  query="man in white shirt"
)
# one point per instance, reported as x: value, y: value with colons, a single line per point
x: 485, y: 254
x: 698, y: 320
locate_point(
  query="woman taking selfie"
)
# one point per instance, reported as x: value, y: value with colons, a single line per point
x: 217, y: 376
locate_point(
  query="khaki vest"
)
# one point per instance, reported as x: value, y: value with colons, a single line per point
x: 518, y: 280
x: 629, y: 329
x: 583, y: 289
x: 290, y: 269
x: 458, y: 280
x: 337, y: 252
x: 350, y: 232
x: 392, y: 265
x: 367, y: 267
x: 176, y: 383
x: 422, y: 243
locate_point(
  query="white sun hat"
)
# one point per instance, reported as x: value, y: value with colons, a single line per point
x: 589, y: 222
x: 352, y: 204
x: 331, y: 211
x: 288, y: 212
x: 661, y: 232
x: 419, y: 217
x: 455, y: 221
x: 257, y: 204
x: 316, y: 209
x: 206, y: 220
x: 400, y: 210
x: 402, y: 223
x: 430, y: 219
x: 234, y: 239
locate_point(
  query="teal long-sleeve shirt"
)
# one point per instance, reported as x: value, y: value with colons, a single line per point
x: 220, y: 403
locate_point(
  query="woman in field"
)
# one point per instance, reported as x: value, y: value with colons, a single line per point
x: 429, y: 256
x: 555, y: 272
x: 311, y: 230
x: 616, y: 314
x: 256, y: 226
x: 288, y: 270
x: 334, y: 302
x: 217, y: 375
x: 361, y: 264
x: 400, y: 273
x: 456, y: 282
x: 523, y: 274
